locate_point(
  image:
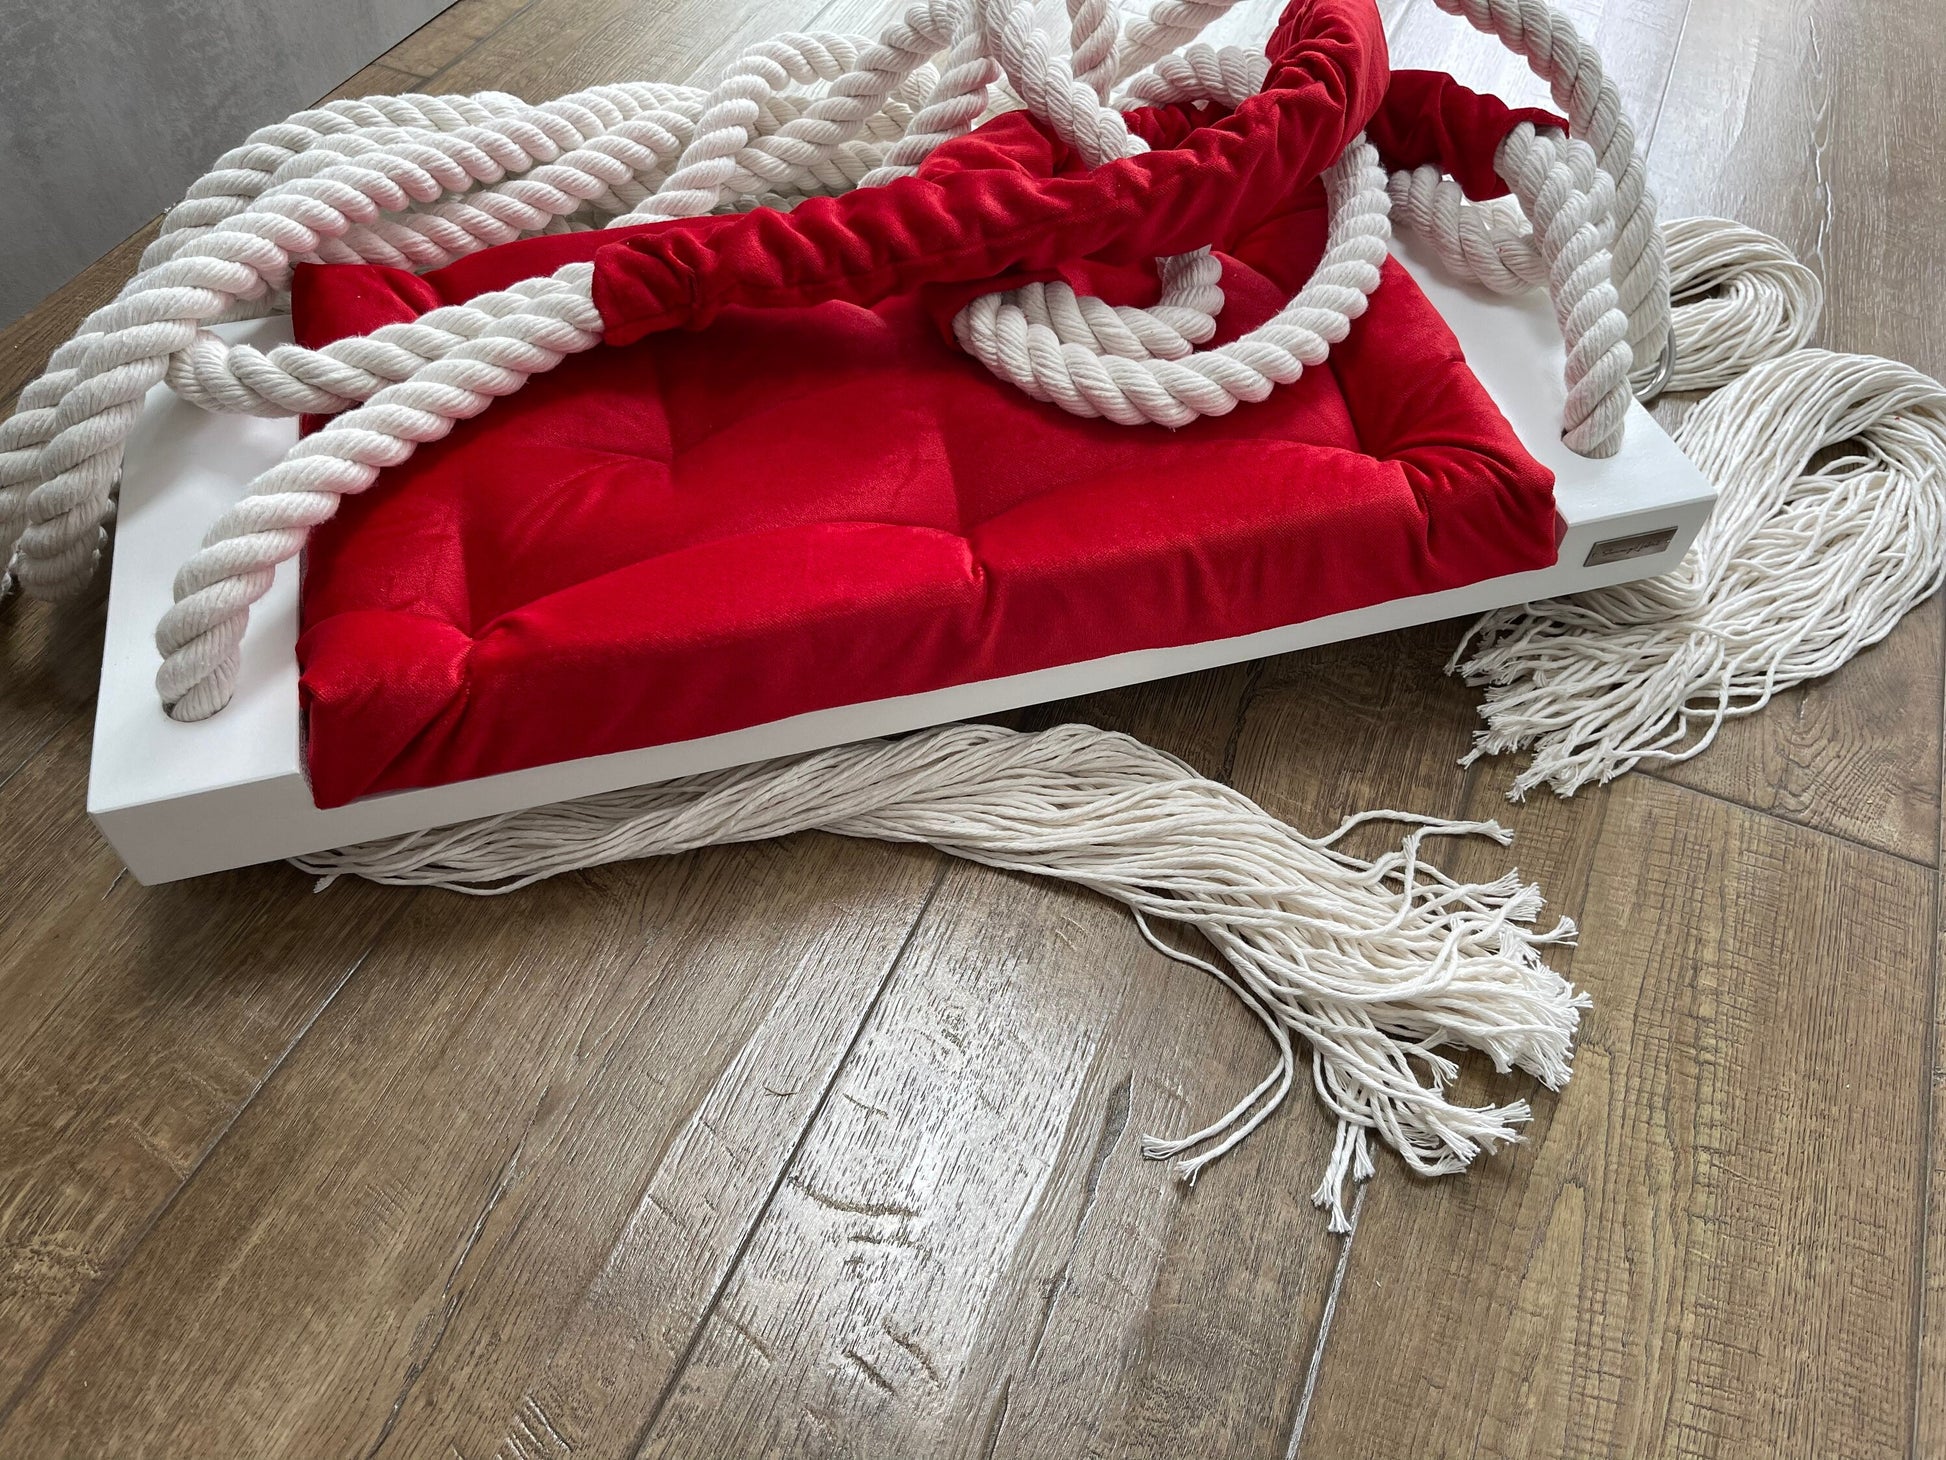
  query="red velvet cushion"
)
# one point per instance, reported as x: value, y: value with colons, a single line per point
x: 806, y: 507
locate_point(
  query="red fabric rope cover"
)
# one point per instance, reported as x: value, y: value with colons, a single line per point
x: 1328, y: 74
x: 852, y: 248
x: 811, y: 506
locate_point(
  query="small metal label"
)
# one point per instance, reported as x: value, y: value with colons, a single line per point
x: 1618, y: 549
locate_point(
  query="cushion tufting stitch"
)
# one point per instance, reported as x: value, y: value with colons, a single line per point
x: 812, y: 506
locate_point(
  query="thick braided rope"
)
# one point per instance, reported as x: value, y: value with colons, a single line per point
x: 998, y: 328
x: 1491, y: 244
x: 955, y: 105
x: 270, y: 155
x: 1572, y: 68
x: 60, y: 544
x: 200, y: 633
x: 242, y: 174
x: 1094, y: 34
x: 1191, y: 297
x: 728, y: 156
x: 726, y: 147
x: 526, y: 330
x: 1199, y: 72
x: 1563, y: 190
x: 1739, y: 297
x: 291, y: 379
x: 1184, y: 315
x: 1368, y: 969
x: 1173, y: 392
x: 1138, y: 367
x: 1047, y: 84
x: 1562, y: 187
x: 60, y: 453
x: 1168, y: 25
x: 1570, y: 200
x: 64, y: 447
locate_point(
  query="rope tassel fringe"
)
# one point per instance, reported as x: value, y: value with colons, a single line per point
x: 1830, y: 528
x: 1373, y: 966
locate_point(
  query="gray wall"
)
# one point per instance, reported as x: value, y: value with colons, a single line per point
x: 109, y: 109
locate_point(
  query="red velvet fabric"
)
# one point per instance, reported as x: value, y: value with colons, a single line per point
x: 810, y: 504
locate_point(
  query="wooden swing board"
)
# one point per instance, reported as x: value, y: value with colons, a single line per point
x: 180, y: 800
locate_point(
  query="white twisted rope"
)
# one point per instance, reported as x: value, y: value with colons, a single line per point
x: 1130, y: 388
x: 1573, y: 193
x: 1570, y: 200
x: 377, y: 184
x: 1020, y: 334
x: 1199, y: 72
x: 1567, y: 197
x: 468, y: 355
x: 1592, y: 240
x: 1167, y: 25
x: 241, y: 175
x: 60, y: 452
x: 778, y: 161
x: 1572, y: 68
x: 1373, y: 966
x: 1185, y: 313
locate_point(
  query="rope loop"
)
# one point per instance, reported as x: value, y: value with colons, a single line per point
x: 419, y: 181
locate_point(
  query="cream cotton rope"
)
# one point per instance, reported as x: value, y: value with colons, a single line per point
x: 1374, y: 966
x: 1831, y: 527
x: 642, y: 153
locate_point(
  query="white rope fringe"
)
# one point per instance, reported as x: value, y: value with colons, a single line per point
x: 1376, y: 965
x: 1740, y: 298
x: 1830, y: 528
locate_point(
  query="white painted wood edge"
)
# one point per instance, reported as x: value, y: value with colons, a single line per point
x: 180, y: 800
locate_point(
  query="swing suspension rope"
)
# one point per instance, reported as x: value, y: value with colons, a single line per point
x: 420, y: 181
x: 1372, y: 967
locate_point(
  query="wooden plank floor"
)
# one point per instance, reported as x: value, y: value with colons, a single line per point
x: 830, y: 1148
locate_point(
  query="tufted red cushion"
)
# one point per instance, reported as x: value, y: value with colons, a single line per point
x: 806, y: 507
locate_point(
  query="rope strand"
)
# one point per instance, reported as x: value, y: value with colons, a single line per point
x: 1372, y: 966
x: 1831, y: 527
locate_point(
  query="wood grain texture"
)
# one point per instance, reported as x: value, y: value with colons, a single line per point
x: 26, y: 343
x: 613, y: 1033
x: 970, y: 1255
x: 1929, y: 1387
x: 50, y: 659
x: 1798, y: 116
x: 1707, y: 1246
x: 139, y: 1023
x: 1350, y: 727
x: 552, y: 47
x: 450, y: 35
x: 830, y: 1148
